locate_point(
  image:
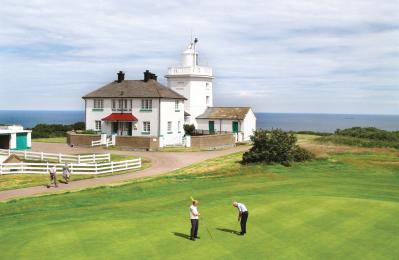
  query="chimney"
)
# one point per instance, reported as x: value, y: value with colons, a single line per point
x: 148, y: 75
x: 121, y: 76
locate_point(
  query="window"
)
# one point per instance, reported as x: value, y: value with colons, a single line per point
x: 178, y: 126
x: 113, y: 104
x: 177, y: 105
x: 146, y: 127
x: 169, y: 127
x: 207, y: 100
x: 98, y: 103
x: 120, y: 104
x: 146, y: 104
x: 131, y: 105
x: 98, y: 125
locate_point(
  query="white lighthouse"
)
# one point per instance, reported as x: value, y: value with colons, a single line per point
x: 192, y: 81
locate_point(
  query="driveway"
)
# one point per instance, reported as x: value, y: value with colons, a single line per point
x: 162, y: 162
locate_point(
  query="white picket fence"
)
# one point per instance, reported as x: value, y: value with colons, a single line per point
x: 104, y: 141
x: 75, y: 168
x: 58, y: 157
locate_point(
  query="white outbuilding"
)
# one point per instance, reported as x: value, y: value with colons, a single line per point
x: 14, y: 137
x: 238, y: 120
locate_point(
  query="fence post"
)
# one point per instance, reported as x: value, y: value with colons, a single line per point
x: 126, y: 165
x: 109, y: 157
x: 41, y: 156
x: 22, y: 169
x: 78, y: 158
x: 112, y: 166
x: 25, y: 154
x: 59, y: 158
x: 94, y: 159
x: 71, y: 168
x: 95, y: 165
x: 47, y: 167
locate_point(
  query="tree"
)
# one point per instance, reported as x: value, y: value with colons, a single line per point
x: 275, y: 146
x: 189, y: 129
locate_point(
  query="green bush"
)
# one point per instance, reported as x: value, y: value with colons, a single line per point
x: 363, y: 137
x: 275, y: 146
x: 189, y: 129
x: 55, y: 130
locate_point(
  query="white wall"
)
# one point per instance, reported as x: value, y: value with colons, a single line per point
x: 195, y: 89
x: 249, y: 125
x: 169, y: 113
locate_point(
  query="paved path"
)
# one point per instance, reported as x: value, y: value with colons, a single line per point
x: 162, y: 162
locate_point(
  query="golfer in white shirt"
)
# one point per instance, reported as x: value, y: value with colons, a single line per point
x: 242, y: 215
x: 194, y: 220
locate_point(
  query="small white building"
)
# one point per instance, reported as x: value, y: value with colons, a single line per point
x: 136, y: 108
x: 14, y: 137
x: 238, y: 120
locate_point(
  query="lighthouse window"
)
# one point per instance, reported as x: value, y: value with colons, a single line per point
x: 207, y: 100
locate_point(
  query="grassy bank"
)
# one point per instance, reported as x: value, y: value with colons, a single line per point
x: 16, y: 181
x: 51, y: 140
x: 342, y: 206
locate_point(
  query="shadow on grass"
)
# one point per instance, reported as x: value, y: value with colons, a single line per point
x: 181, y: 235
x: 229, y: 231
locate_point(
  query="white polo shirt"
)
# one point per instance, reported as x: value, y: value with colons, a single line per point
x: 241, y: 207
x: 193, y: 212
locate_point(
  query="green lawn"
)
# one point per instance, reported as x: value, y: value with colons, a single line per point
x: 16, y: 181
x: 51, y: 140
x: 344, y: 206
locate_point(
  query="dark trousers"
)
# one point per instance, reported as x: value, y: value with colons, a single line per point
x: 243, y: 222
x: 194, y: 228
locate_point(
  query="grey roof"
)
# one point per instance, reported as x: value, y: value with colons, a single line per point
x: 134, y: 89
x: 235, y: 113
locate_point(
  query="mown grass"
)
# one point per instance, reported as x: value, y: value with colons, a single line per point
x: 16, y: 181
x: 342, y: 206
x: 51, y: 140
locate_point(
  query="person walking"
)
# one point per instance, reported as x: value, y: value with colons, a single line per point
x: 66, y: 173
x: 194, y: 214
x: 242, y: 216
x: 53, y: 176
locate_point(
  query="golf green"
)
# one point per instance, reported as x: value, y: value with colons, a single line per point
x: 342, y: 206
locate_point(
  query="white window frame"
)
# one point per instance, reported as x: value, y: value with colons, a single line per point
x: 177, y: 105
x: 170, y: 127
x: 146, y: 104
x: 178, y: 126
x: 97, y: 125
x: 114, y: 104
x: 146, y: 127
x: 98, y: 103
x: 207, y: 100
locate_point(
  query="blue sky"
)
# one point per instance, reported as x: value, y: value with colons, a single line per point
x: 274, y: 55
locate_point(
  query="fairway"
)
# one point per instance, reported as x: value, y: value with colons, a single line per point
x: 345, y: 205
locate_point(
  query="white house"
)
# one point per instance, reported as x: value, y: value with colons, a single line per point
x: 14, y: 137
x: 136, y: 108
x: 194, y: 82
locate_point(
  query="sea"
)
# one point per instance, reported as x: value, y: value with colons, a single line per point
x: 285, y: 121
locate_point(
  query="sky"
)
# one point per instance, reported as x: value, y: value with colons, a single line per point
x: 319, y: 56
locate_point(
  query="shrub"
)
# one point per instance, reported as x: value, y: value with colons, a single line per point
x: 275, y: 146
x: 189, y: 129
x: 55, y: 130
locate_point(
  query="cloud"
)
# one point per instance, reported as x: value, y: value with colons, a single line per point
x: 301, y: 56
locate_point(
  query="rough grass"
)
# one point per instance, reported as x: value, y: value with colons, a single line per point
x: 356, y: 141
x: 16, y: 181
x: 343, y: 206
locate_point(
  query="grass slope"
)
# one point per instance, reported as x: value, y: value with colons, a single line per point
x: 343, y: 206
x: 50, y: 140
